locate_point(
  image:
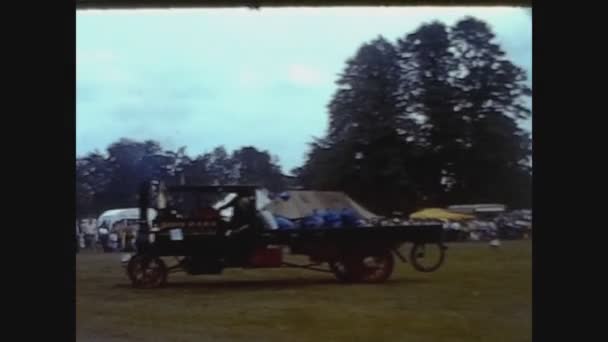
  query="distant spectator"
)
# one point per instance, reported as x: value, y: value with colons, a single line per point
x: 113, y: 242
x: 77, y: 237
x: 88, y: 228
x: 104, y: 232
x: 120, y: 228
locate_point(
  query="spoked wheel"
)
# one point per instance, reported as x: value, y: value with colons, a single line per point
x: 371, y: 267
x: 147, y: 272
x: 427, y: 257
x: 341, y: 271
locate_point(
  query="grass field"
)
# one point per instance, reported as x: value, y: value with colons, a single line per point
x: 480, y: 294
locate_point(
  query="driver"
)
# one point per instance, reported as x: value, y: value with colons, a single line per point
x: 241, y: 205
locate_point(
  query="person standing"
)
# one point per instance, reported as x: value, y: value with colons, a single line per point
x: 104, y: 236
x: 495, y: 242
x: 89, y: 233
x: 113, y: 243
x: 120, y: 228
x: 77, y: 237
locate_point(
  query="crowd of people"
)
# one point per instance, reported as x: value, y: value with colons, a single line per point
x: 483, y: 229
x: 120, y: 235
x: 114, y: 237
x: 505, y: 226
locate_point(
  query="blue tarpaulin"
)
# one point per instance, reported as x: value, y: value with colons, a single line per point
x: 323, y: 218
x: 284, y: 223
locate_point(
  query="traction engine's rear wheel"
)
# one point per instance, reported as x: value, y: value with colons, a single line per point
x: 370, y: 267
x: 427, y: 257
x: 147, y: 272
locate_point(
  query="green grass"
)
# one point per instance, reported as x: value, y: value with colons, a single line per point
x: 480, y: 294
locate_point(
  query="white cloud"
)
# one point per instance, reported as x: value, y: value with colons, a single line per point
x: 305, y: 75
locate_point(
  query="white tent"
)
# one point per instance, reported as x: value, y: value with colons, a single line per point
x: 302, y: 203
x: 112, y: 216
x: 478, y: 208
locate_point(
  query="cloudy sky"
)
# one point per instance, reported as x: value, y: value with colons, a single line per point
x: 207, y: 77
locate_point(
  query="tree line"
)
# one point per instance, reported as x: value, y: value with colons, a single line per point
x: 429, y: 120
x: 110, y: 180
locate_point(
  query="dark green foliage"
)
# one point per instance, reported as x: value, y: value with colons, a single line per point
x: 111, y: 180
x: 258, y: 168
x: 428, y: 121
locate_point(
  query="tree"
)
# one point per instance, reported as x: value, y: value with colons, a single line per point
x: 222, y: 168
x: 428, y: 122
x: 492, y: 94
x: 111, y: 180
x: 132, y: 162
x: 197, y: 171
x: 321, y: 169
x: 258, y: 168
x: 427, y: 93
x: 93, y: 175
x: 367, y: 147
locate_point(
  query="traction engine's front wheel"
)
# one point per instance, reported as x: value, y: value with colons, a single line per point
x: 147, y: 272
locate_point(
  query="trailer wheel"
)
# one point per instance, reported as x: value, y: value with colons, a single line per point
x: 427, y: 257
x: 369, y: 267
x: 147, y: 272
x: 341, y: 271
